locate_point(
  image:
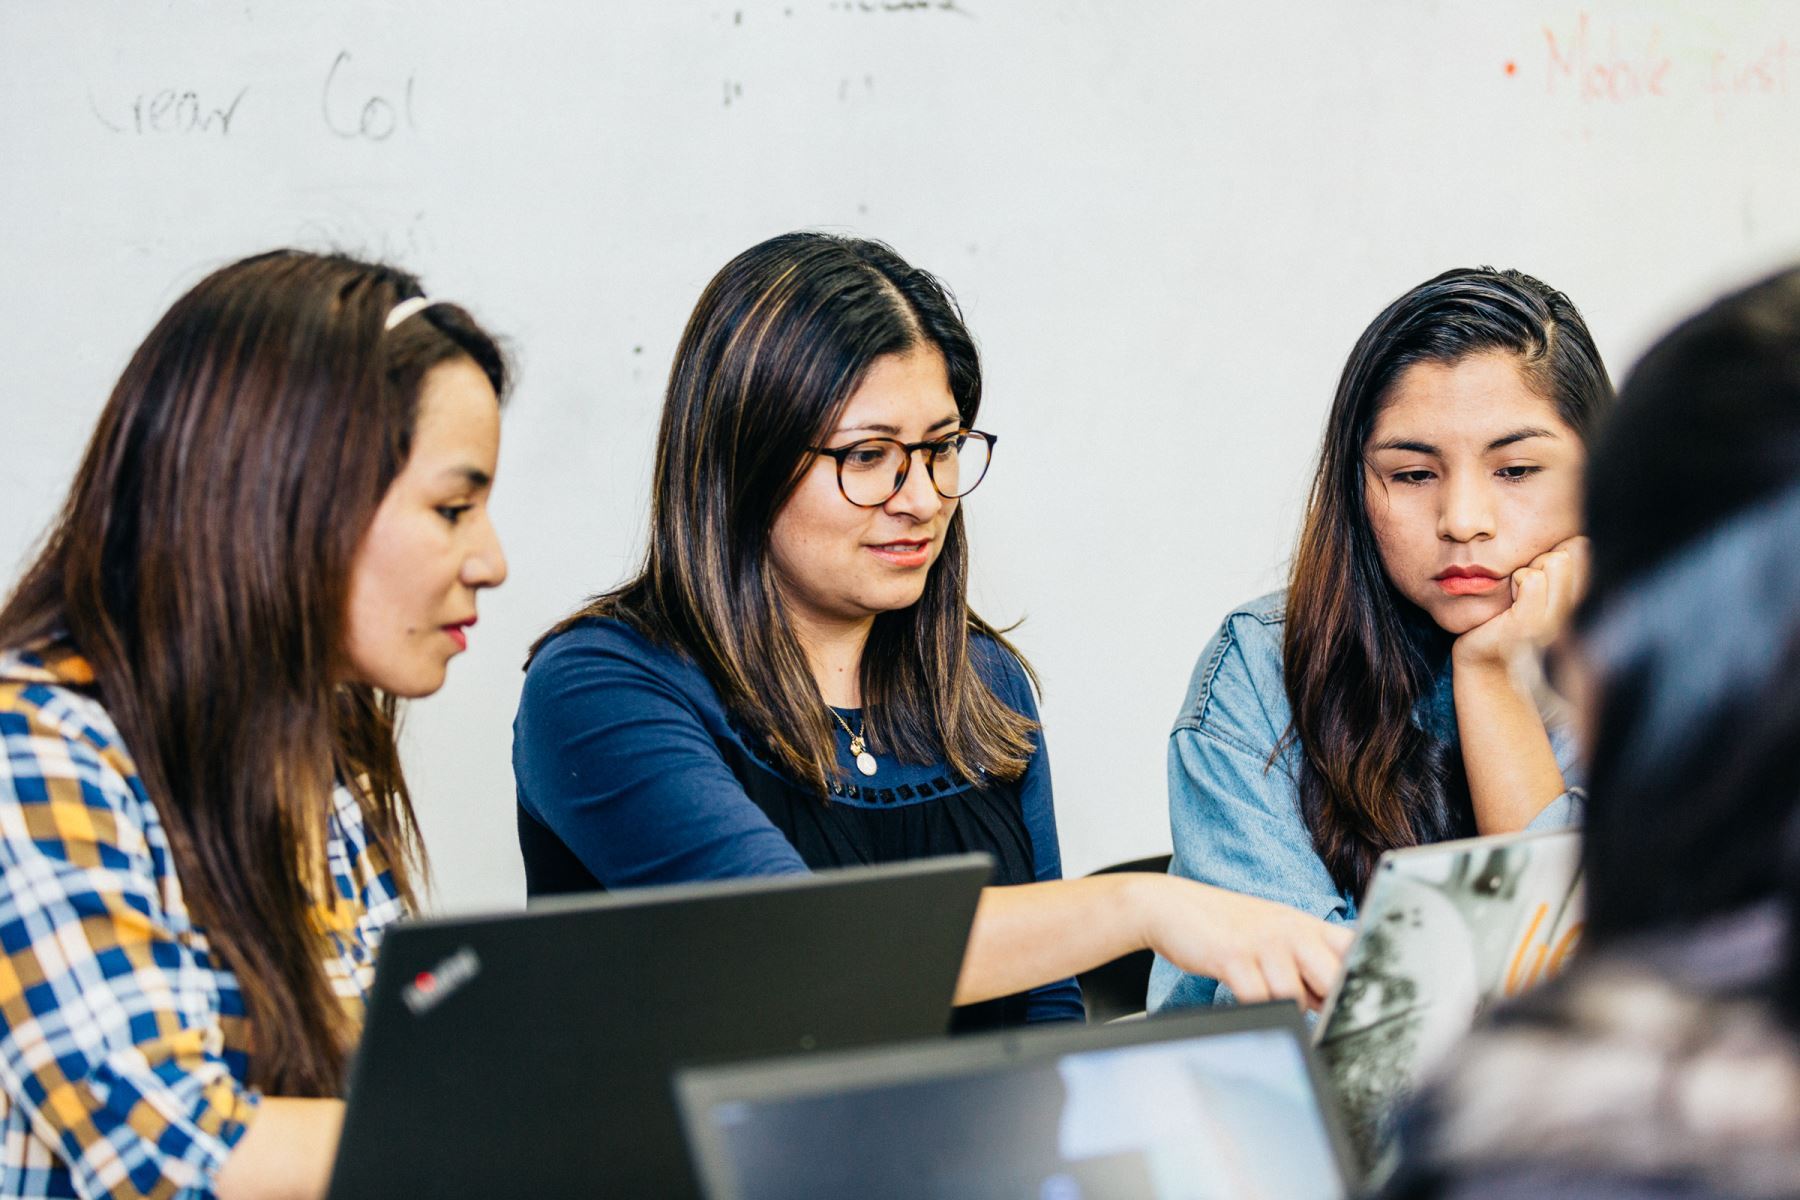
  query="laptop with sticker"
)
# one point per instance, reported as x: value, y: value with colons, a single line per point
x: 530, y: 1053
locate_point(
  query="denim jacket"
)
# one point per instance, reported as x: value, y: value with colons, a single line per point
x: 1236, y: 819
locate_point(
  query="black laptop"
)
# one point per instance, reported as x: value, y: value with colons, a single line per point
x: 530, y: 1053
x: 1222, y: 1103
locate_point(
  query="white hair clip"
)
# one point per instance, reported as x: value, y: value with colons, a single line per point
x: 405, y: 309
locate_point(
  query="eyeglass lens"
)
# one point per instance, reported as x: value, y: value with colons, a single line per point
x: 871, y: 471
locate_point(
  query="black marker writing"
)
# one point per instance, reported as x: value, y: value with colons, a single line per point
x: 173, y: 111
x: 376, y: 119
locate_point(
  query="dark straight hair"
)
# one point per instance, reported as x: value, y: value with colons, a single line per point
x: 1691, y: 627
x: 1357, y: 656
x: 779, y: 340
x: 201, y: 564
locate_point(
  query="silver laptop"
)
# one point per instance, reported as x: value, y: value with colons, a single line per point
x: 1444, y: 931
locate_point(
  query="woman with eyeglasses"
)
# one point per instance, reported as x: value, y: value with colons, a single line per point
x: 794, y: 679
x: 1374, y: 703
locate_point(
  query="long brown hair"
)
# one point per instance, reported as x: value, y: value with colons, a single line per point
x: 201, y: 564
x: 780, y: 339
x: 1357, y: 656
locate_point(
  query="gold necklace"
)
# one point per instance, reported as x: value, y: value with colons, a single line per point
x: 865, y: 762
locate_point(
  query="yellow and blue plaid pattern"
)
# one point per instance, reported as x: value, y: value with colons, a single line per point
x: 123, y: 1045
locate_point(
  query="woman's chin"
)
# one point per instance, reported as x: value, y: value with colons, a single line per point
x: 1456, y: 615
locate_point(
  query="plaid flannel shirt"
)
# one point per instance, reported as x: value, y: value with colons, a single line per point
x: 123, y: 1044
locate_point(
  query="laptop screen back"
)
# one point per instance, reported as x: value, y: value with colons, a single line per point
x: 1193, y: 1112
x: 531, y: 1054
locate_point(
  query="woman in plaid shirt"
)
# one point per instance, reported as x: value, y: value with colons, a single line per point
x: 279, y: 528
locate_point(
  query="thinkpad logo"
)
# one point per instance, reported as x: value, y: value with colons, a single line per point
x: 431, y: 988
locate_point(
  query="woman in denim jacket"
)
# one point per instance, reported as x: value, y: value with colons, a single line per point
x: 1665, y: 1063
x: 1374, y: 704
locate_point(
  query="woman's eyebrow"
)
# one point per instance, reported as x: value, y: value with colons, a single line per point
x: 1406, y: 444
x: 474, y: 477
x: 893, y: 431
x: 1519, y: 435
x: 1499, y: 443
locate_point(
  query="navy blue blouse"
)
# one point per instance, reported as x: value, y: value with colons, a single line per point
x: 631, y: 772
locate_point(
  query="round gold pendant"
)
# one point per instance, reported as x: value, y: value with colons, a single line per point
x: 865, y: 762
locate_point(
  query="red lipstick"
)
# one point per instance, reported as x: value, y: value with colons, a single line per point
x: 1469, y: 580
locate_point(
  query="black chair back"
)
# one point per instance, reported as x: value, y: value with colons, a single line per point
x: 1116, y: 989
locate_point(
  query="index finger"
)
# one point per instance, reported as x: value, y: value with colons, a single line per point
x: 1321, y: 965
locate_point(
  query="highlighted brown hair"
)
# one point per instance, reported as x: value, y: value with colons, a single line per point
x: 779, y: 340
x: 1357, y: 656
x: 202, y: 565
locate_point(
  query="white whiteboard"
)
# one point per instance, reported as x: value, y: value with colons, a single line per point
x: 1167, y: 221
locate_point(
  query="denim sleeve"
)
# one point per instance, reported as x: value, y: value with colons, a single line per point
x: 1234, y: 808
x: 1568, y: 810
